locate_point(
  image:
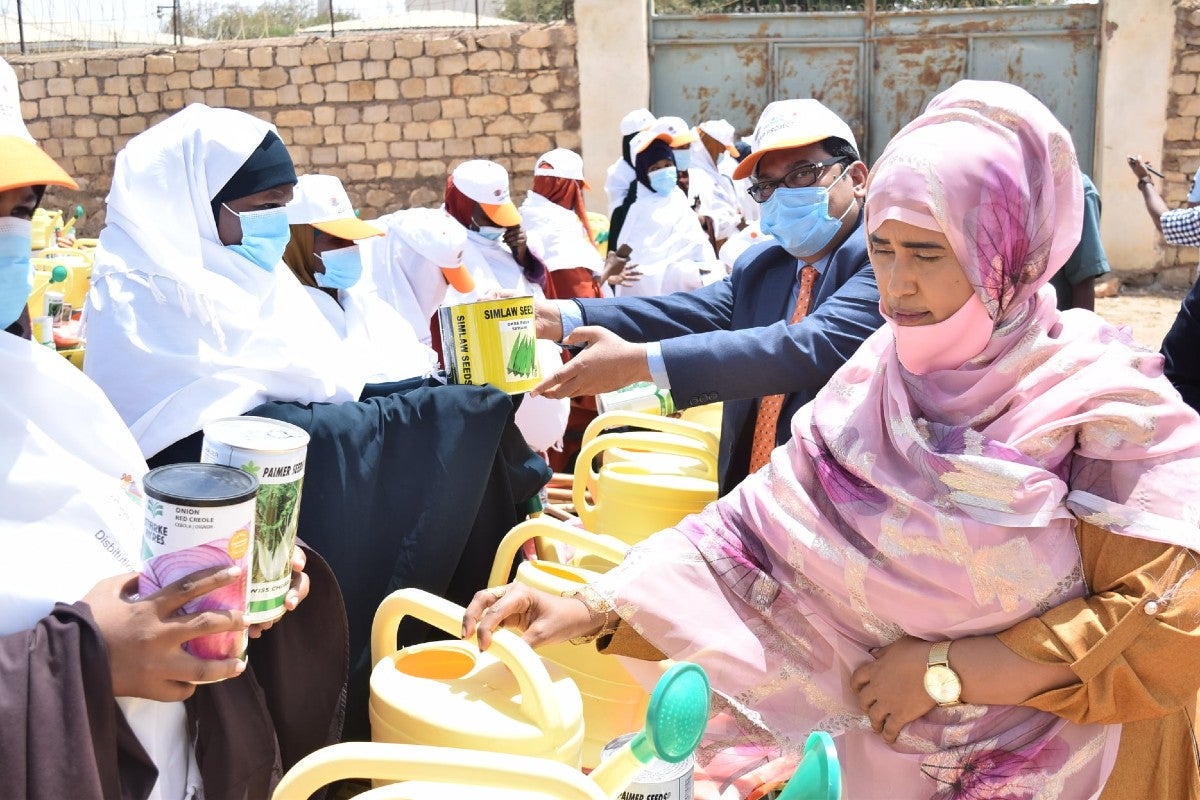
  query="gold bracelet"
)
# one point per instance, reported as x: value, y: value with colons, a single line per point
x: 611, y: 620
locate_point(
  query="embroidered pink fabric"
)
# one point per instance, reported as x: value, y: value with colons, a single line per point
x: 936, y: 505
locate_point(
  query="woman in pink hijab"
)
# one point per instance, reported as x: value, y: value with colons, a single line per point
x: 973, y: 562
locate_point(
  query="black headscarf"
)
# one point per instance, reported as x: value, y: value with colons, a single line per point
x: 267, y: 167
x: 656, y: 151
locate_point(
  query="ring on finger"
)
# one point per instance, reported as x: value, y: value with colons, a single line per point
x: 498, y: 592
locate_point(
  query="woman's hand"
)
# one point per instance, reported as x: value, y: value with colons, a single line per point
x: 891, y: 689
x: 539, y: 617
x: 618, y: 271
x: 144, y: 636
x: 295, y: 594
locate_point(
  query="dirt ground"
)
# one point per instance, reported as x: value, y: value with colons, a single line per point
x: 1149, y: 314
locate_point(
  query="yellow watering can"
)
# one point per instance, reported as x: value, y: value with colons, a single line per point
x: 45, y: 222
x: 37, y: 298
x: 614, y: 702
x: 630, y: 500
x: 78, y: 266
x: 673, y: 725
x: 656, y: 460
x: 448, y: 693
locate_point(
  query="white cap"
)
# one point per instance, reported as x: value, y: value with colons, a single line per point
x: 679, y: 133
x: 561, y: 163
x: 486, y: 182
x: 321, y: 201
x: 785, y: 124
x: 437, y: 237
x: 637, y: 120
x: 721, y: 131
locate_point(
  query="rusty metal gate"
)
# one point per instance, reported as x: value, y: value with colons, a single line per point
x: 876, y: 68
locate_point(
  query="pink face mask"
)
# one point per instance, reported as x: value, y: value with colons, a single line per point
x: 943, y: 345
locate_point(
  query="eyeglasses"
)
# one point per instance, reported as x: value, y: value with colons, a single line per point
x: 799, y: 178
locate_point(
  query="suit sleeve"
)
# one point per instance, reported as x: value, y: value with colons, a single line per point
x: 779, y: 358
x: 1181, y: 348
x: 654, y: 319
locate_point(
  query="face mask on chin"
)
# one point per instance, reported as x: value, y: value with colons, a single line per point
x: 799, y: 218
x: 490, y: 232
x: 16, y: 270
x: 343, y: 268
x: 265, y: 235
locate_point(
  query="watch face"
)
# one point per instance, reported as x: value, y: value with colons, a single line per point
x: 942, y: 684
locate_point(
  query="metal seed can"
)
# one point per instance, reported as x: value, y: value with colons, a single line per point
x: 199, y: 516
x: 658, y: 780
x: 643, y: 396
x: 274, y: 452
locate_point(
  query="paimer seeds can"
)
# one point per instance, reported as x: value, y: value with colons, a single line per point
x: 274, y: 452
x: 658, y: 780
x: 199, y: 516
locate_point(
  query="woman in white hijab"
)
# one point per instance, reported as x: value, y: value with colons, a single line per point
x: 325, y: 255
x: 666, y: 242
x: 92, y: 676
x: 188, y: 318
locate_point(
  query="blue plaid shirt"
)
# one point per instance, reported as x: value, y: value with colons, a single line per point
x: 1181, y: 226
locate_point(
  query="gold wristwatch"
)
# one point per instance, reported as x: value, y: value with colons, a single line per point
x: 941, y: 682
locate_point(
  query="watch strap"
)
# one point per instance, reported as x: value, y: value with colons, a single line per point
x: 939, y: 654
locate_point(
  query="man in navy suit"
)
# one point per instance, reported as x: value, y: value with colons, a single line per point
x: 733, y: 341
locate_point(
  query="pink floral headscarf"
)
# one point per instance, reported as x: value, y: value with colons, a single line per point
x: 937, y: 506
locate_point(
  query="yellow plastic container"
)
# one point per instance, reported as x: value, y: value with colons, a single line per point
x: 614, y: 702
x: 79, y: 272
x: 37, y: 298
x: 436, y: 773
x: 74, y: 355
x: 44, y: 223
x: 449, y: 694
x: 707, y: 416
x: 599, y: 224
x: 87, y: 244
x: 631, y: 499
x: 673, y: 429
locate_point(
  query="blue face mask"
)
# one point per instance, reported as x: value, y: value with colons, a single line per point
x: 662, y: 181
x: 799, y: 218
x: 343, y: 268
x: 490, y: 232
x: 16, y: 270
x: 683, y: 159
x: 265, y: 235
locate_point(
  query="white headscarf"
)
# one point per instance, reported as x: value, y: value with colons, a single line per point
x: 181, y: 329
x: 557, y: 237
x: 668, y: 245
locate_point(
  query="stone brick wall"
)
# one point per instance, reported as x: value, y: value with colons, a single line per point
x: 1181, y: 147
x: 390, y: 114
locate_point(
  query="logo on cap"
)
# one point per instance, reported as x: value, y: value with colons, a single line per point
x: 498, y: 192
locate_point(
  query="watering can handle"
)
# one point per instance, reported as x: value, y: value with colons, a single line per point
x: 609, y: 548
x: 583, y: 462
x: 414, y: 762
x: 636, y: 419
x: 537, y: 693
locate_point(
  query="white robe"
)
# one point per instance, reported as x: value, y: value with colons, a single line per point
x: 71, y: 516
x: 180, y: 329
x: 616, y: 183
x: 557, y: 237
x: 715, y: 192
x: 668, y: 246
x: 377, y: 332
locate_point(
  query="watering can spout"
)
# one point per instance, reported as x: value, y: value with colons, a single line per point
x: 818, y: 776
